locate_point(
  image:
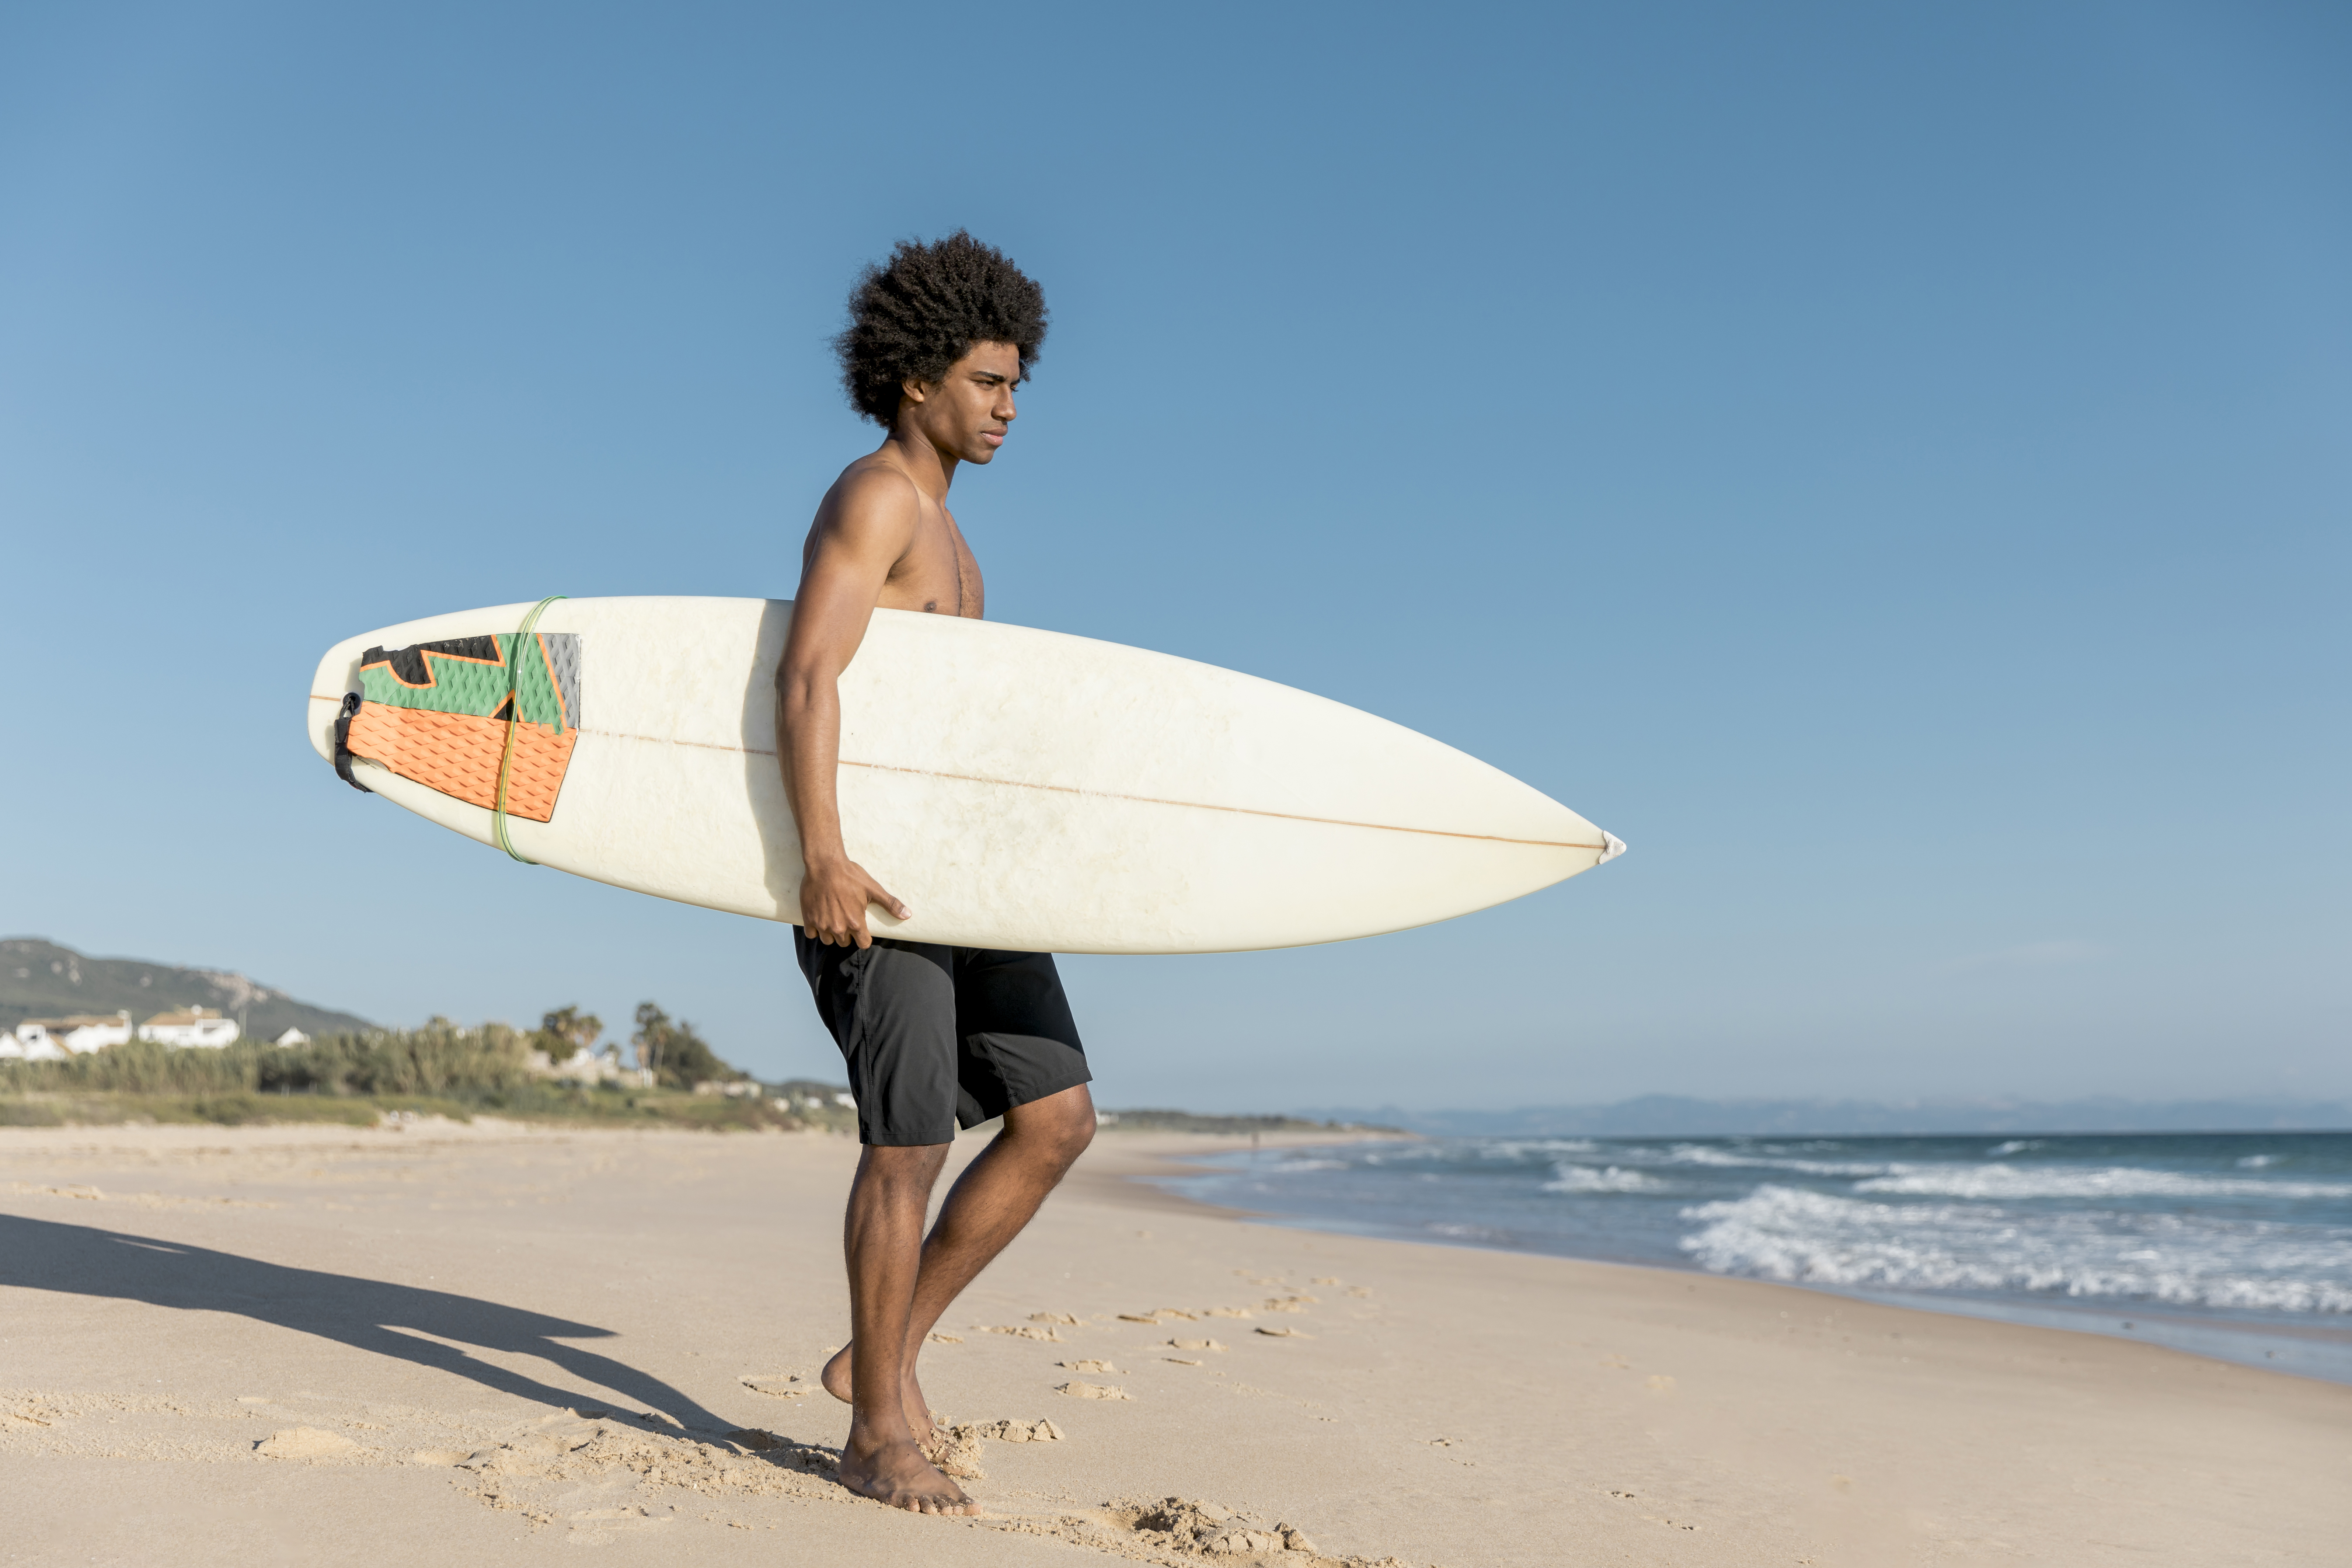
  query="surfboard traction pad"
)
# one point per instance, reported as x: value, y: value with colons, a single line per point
x: 437, y: 712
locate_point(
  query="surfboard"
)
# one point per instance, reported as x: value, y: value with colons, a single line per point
x: 1016, y: 788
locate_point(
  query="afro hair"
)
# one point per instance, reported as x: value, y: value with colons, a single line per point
x: 924, y: 309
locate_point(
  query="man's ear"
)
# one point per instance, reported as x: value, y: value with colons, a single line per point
x: 914, y: 390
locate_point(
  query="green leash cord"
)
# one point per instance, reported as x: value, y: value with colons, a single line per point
x: 514, y: 717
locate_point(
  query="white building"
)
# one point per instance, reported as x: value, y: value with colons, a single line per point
x: 586, y: 1066
x: 34, y: 1045
x: 78, y: 1035
x: 292, y: 1037
x: 583, y: 1065
x: 194, y: 1027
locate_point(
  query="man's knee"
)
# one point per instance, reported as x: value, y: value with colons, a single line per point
x: 1060, y: 1125
x: 1076, y: 1134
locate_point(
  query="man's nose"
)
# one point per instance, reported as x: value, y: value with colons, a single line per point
x: 1006, y: 411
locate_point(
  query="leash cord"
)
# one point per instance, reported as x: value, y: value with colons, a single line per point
x: 514, y: 717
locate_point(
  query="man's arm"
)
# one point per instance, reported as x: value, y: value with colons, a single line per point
x: 862, y: 531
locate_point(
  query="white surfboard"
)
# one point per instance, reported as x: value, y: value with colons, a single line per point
x: 1017, y: 788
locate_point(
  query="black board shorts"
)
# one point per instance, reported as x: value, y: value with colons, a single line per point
x: 938, y: 1037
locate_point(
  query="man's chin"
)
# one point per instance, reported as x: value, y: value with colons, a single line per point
x: 982, y: 452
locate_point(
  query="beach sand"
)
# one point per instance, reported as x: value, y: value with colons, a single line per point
x: 494, y: 1344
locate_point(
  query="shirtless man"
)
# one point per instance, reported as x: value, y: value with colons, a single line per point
x: 933, y: 1036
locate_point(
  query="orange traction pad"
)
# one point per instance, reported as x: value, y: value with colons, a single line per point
x: 457, y: 754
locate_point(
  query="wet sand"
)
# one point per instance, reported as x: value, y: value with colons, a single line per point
x: 494, y: 1344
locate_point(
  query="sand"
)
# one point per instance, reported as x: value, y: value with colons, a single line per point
x: 494, y: 1344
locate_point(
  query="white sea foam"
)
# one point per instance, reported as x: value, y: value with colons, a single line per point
x: 1730, y: 1159
x: 1784, y: 1233
x: 2014, y: 1146
x: 2112, y: 1182
x: 1568, y: 1178
x: 1520, y: 1148
x: 1408, y: 1152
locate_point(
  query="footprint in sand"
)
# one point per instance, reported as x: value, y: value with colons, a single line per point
x: 1286, y: 1334
x: 1091, y: 1391
x: 1180, y: 1361
x: 936, y: 1337
x: 1228, y: 1312
x: 1019, y: 1331
x: 1195, y: 1527
x: 1039, y: 1431
x: 1062, y: 1318
x: 956, y: 1449
x: 1087, y: 1365
x: 1195, y: 1345
x: 778, y: 1385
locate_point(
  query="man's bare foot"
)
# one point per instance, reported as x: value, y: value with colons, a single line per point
x: 893, y: 1471
x: 835, y: 1378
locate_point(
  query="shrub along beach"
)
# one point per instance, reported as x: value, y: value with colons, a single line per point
x: 443, y: 1068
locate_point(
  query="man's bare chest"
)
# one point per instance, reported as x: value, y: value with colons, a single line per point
x: 939, y: 574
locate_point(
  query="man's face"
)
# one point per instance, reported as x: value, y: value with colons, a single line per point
x: 968, y: 411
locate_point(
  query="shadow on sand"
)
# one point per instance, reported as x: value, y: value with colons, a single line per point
x: 365, y: 1314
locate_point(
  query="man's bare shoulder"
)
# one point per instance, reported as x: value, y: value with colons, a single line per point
x: 873, y: 501
x: 875, y: 482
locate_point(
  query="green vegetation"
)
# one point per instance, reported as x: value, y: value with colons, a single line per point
x: 679, y: 1057
x: 439, y: 1069
x: 568, y: 1029
x: 355, y: 1075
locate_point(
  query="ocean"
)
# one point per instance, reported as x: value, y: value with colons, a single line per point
x: 2235, y: 1244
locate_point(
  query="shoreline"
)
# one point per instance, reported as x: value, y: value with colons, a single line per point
x: 2310, y: 1348
x: 380, y: 1305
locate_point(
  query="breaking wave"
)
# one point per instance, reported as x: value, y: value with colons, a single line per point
x: 1568, y: 1178
x: 1809, y: 1237
x: 2112, y: 1182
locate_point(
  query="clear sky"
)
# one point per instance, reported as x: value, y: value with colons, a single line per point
x: 1889, y: 464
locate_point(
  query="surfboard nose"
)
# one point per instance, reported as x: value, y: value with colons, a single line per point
x: 1616, y: 848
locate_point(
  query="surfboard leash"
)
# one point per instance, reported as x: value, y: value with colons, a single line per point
x: 514, y: 717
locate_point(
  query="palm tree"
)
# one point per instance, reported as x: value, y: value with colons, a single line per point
x: 572, y: 1027
x: 653, y: 1033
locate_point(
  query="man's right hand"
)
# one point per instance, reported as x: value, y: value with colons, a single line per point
x: 834, y: 897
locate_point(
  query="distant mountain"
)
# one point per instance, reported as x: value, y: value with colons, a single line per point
x: 41, y: 980
x: 1677, y: 1116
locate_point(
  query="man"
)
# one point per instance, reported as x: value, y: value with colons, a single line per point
x: 933, y: 1036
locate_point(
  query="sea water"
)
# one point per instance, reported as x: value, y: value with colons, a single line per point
x: 2231, y: 1245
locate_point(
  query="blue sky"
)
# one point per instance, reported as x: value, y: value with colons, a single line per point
x: 1888, y: 464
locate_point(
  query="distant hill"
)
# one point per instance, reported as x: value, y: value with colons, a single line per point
x: 41, y: 980
x: 1679, y: 1115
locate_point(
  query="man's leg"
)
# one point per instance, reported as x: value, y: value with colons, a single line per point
x: 883, y: 1239
x: 998, y: 1193
x: 996, y: 1196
